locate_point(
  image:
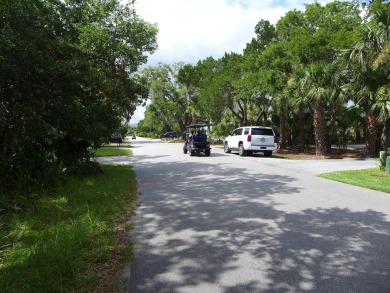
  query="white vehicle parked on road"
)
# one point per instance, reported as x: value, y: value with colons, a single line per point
x: 250, y: 139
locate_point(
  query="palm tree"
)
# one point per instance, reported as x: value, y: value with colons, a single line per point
x: 315, y: 86
x: 301, y: 102
x: 369, y: 77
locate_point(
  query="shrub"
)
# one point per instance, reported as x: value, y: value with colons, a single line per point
x: 382, y: 161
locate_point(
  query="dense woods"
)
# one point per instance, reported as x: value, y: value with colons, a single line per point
x: 319, y: 76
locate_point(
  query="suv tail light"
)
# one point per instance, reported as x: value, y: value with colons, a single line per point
x: 249, y: 139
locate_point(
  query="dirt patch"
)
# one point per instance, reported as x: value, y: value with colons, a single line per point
x: 309, y: 154
x: 110, y: 272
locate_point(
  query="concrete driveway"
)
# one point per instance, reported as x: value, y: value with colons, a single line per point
x: 226, y: 223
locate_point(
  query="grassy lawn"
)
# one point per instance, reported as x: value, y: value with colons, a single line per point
x: 72, y: 238
x: 369, y: 178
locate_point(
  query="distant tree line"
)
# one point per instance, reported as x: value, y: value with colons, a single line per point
x: 67, y: 80
x: 319, y: 76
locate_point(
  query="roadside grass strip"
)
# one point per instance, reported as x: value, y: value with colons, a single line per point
x: 112, y: 151
x: 51, y: 242
x: 368, y: 178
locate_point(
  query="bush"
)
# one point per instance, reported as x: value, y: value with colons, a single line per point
x: 382, y: 161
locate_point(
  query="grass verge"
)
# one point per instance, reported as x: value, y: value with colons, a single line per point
x: 369, y: 178
x: 112, y: 151
x: 68, y: 239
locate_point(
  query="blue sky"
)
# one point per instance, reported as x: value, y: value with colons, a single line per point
x: 192, y: 30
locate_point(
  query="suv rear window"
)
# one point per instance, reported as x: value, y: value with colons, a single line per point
x: 262, y: 131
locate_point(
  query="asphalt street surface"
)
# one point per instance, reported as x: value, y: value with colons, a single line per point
x: 227, y: 223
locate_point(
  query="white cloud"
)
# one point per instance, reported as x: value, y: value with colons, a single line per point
x: 192, y: 30
x: 138, y: 115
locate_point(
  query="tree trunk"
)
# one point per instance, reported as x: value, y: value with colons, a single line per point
x: 358, y: 135
x: 372, y: 133
x: 319, y: 129
x: 301, y: 146
x: 282, y: 125
x: 331, y: 135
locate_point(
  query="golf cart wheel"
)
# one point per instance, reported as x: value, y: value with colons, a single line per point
x: 192, y: 152
x: 207, y: 152
x: 185, y: 149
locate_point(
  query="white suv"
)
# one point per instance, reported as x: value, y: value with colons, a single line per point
x: 250, y: 139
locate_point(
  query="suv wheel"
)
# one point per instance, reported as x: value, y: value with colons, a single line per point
x: 267, y: 153
x: 241, y: 150
x: 226, y: 148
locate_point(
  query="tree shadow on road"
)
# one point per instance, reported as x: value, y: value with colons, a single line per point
x: 204, y: 227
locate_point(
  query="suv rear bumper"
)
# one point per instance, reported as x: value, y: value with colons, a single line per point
x: 260, y: 148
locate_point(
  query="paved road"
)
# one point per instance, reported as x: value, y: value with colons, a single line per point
x: 226, y: 223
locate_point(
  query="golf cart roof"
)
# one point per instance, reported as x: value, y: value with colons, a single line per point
x: 196, y: 126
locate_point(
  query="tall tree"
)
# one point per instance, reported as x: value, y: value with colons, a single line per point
x: 170, y: 102
x: 316, y: 85
x: 300, y: 101
x: 276, y: 68
x: 217, y: 91
x: 254, y: 83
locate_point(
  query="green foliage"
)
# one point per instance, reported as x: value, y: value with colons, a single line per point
x: 215, y: 85
x: 320, y: 31
x: 221, y: 130
x: 65, y: 82
x: 382, y: 161
x: 50, y: 241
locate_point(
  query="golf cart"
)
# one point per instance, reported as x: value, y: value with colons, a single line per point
x: 196, y: 140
